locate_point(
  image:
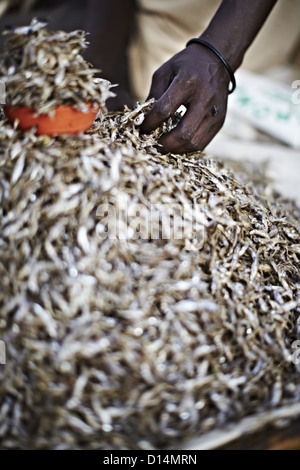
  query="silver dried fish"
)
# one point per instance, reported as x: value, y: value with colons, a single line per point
x: 128, y: 342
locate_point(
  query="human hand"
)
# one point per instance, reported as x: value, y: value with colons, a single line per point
x: 199, y: 81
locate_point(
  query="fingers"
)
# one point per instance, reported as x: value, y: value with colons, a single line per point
x: 160, y: 82
x: 181, y: 138
x: 193, y: 133
x: 165, y: 106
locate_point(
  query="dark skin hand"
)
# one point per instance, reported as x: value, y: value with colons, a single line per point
x: 196, y: 78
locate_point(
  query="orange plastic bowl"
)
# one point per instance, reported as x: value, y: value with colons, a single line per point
x: 66, y: 120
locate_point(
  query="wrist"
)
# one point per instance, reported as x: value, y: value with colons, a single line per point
x: 232, y: 51
x: 220, y: 58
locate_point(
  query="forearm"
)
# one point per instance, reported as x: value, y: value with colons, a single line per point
x: 109, y: 24
x: 235, y: 25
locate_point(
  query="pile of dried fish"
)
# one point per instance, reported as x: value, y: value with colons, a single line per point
x: 44, y: 69
x: 138, y: 342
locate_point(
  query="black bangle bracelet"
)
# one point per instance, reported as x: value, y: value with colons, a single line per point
x: 219, y: 55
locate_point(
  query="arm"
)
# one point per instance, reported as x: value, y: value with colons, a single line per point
x: 109, y: 23
x: 196, y: 78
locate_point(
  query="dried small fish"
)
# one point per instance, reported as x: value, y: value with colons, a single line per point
x: 133, y: 342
